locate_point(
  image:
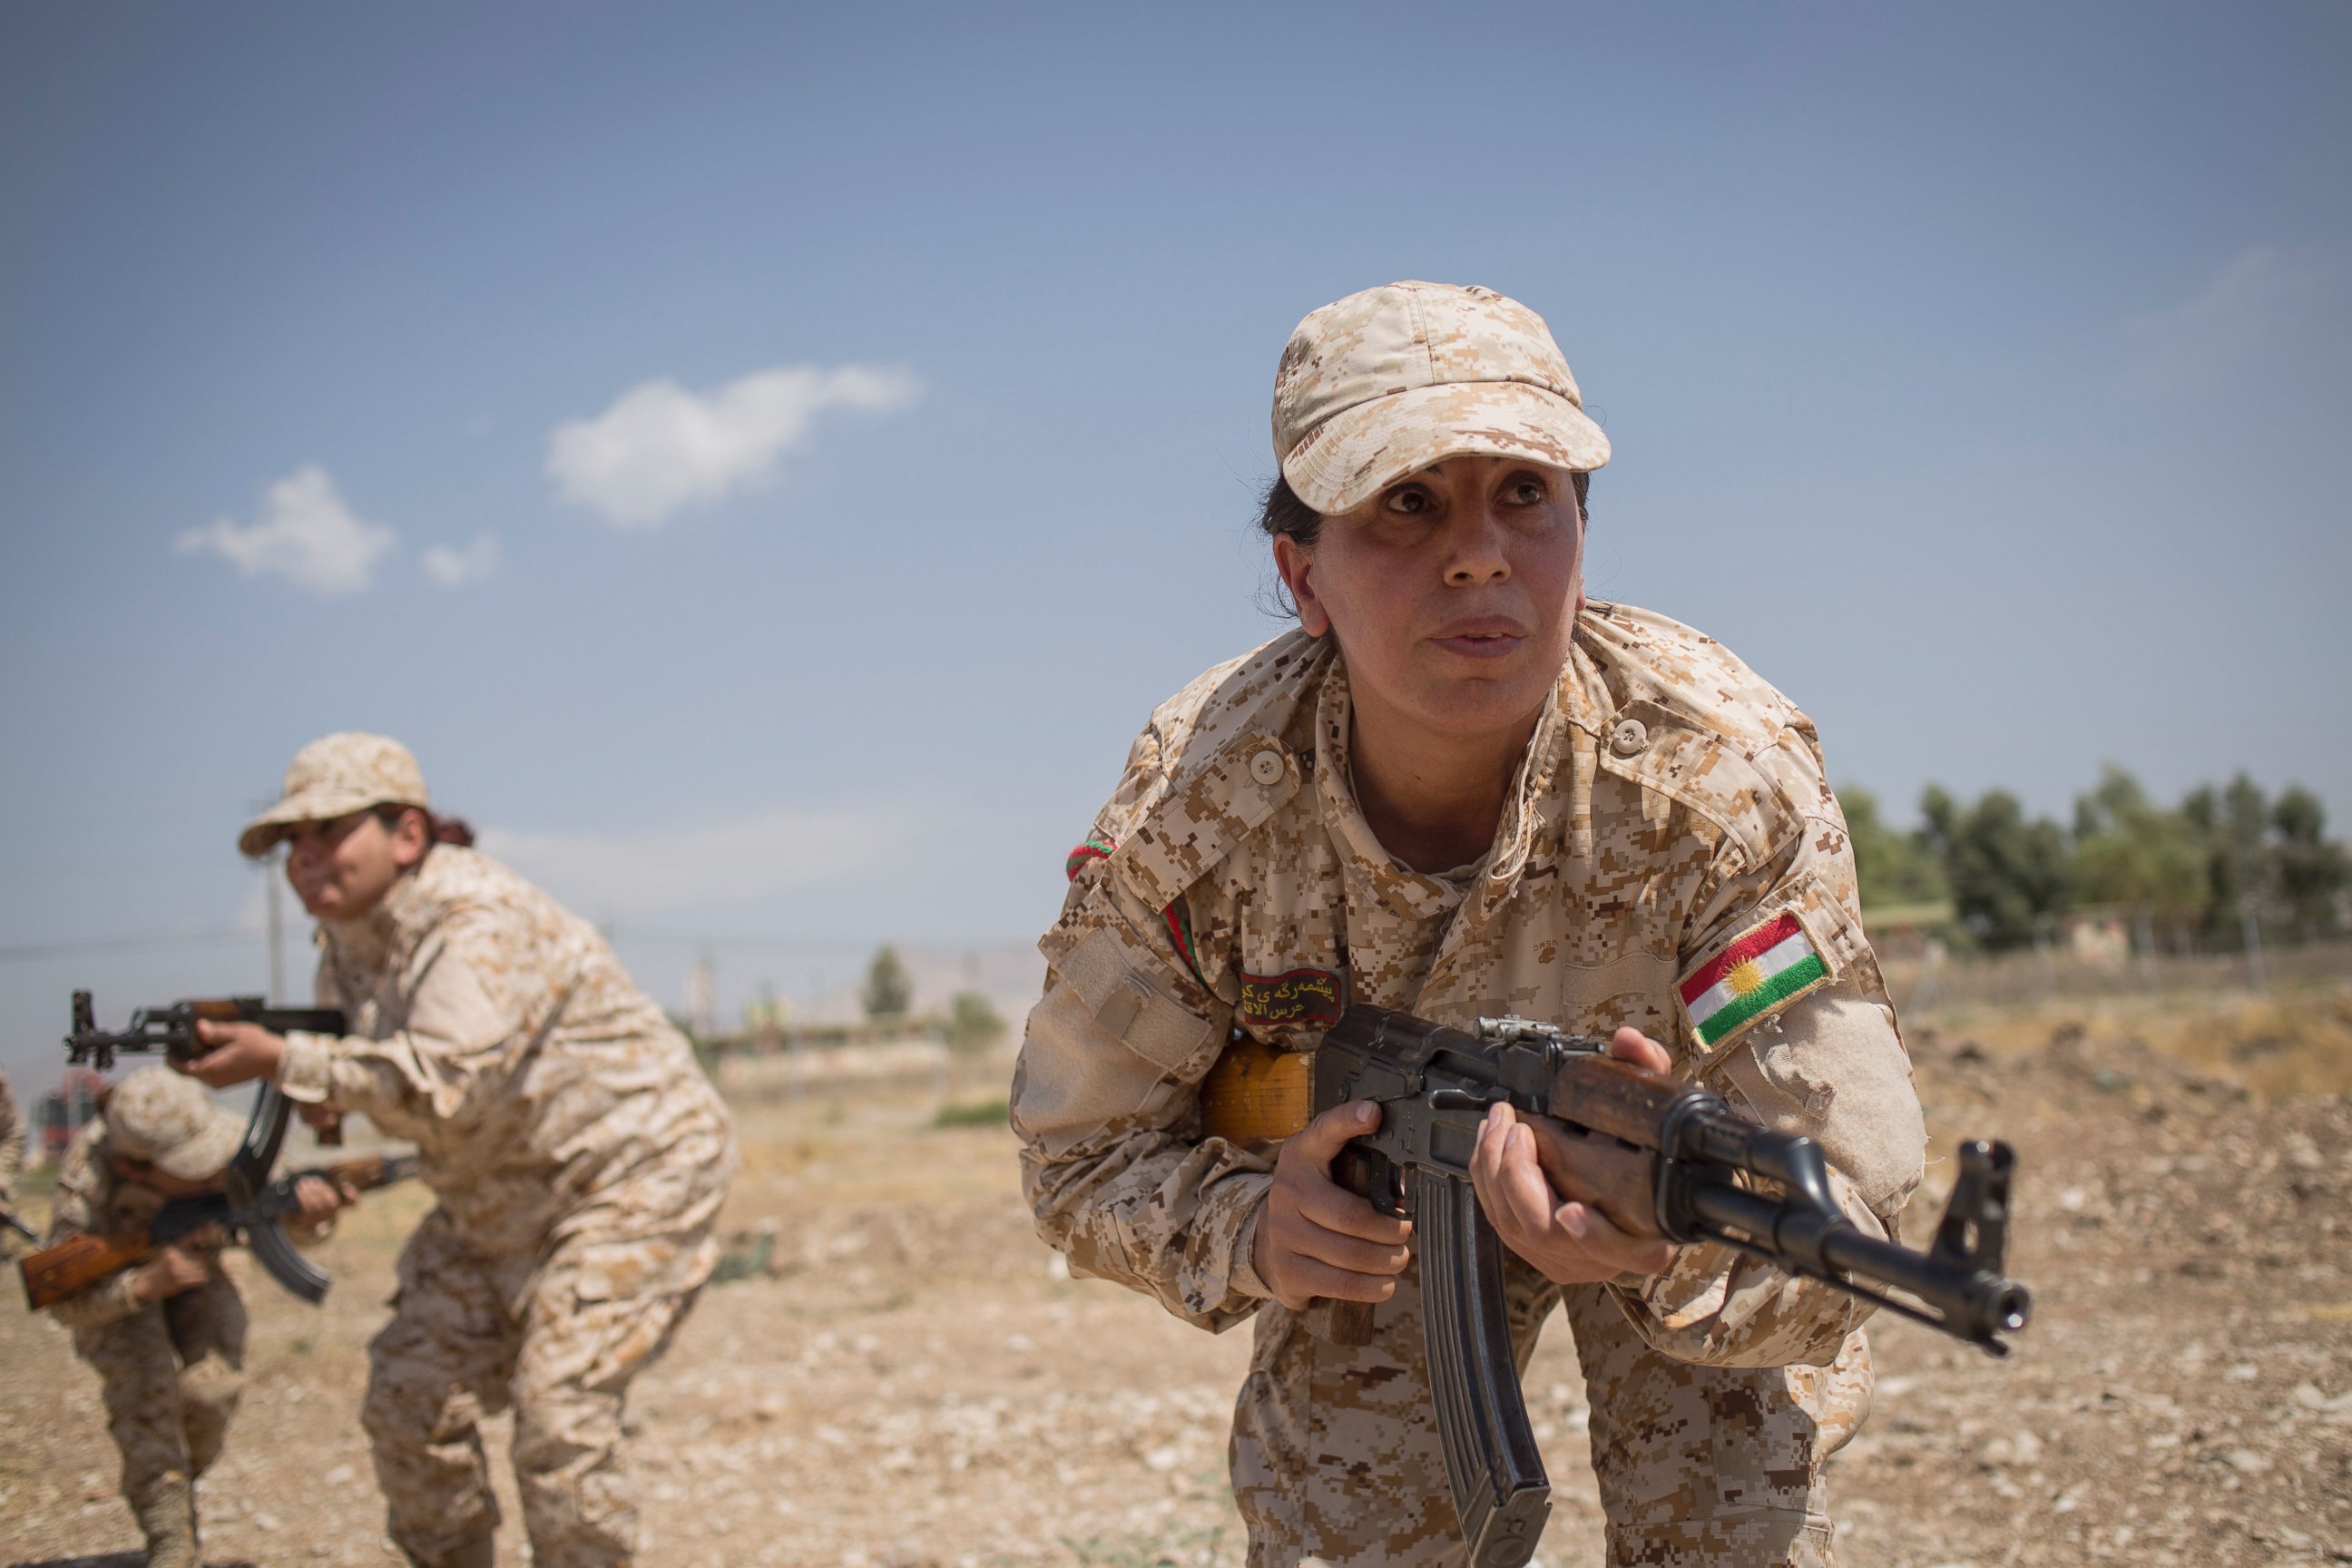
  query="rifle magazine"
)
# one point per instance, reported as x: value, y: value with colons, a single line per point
x: 1500, y: 1492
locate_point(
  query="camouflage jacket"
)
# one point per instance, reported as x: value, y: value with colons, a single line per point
x: 1669, y: 814
x: 547, y: 1095
x: 91, y: 1200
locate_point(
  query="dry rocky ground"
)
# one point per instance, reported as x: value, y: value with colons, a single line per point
x: 913, y: 1381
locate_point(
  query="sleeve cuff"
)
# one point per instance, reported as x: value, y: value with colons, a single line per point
x: 1243, y: 1279
x: 303, y: 1072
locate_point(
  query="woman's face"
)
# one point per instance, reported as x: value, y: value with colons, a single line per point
x: 1454, y: 592
x: 341, y: 867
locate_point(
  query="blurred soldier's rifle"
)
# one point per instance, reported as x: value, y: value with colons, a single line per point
x: 79, y: 1262
x: 173, y: 1031
x: 1660, y: 1157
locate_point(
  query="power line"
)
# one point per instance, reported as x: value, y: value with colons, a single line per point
x: 222, y: 937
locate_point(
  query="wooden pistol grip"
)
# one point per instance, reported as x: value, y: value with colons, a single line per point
x: 75, y: 1264
x: 1588, y: 1168
x: 1340, y: 1322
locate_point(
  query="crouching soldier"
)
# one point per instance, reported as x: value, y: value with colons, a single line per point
x: 578, y: 1155
x: 167, y: 1338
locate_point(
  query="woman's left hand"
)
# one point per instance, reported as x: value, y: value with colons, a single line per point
x: 239, y: 1054
x: 1570, y: 1243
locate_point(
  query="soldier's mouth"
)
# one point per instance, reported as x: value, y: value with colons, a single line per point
x: 1483, y: 638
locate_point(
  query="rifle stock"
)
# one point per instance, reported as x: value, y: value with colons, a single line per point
x: 75, y: 1264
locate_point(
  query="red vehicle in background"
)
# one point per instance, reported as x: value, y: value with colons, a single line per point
x: 64, y: 1111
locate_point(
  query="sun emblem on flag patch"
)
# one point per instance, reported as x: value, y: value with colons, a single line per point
x: 1761, y: 970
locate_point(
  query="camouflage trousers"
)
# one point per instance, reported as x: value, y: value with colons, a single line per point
x: 1335, y: 1452
x: 171, y: 1373
x: 557, y: 1335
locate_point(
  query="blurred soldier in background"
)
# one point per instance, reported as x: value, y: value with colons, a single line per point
x: 578, y: 1153
x: 12, y: 1160
x: 1459, y: 789
x: 167, y: 1338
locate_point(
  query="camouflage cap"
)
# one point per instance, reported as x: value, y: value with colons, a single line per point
x: 172, y: 1122
x: 334, y: 775
x: 1385, y: 383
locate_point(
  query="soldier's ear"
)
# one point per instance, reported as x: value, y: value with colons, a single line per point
x: 1295, y: 563
x: 411, y: 834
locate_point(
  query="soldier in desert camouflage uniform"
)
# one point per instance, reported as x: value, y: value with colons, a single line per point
x: 12, y: 1155
x: 1462, y: 789
x: 167, y: 1338
x: 578, y: 1153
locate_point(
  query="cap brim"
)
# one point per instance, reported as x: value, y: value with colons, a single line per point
x: 1353, y: 456
x: 209, y: 1153
x: 309, y: 806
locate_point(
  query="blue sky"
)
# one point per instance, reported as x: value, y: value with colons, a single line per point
x: 1974, y: 373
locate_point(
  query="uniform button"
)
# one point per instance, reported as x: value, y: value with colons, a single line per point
x: 1629, y: 737
x: 1267, y: 766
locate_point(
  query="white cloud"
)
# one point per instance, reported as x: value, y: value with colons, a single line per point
x: 2264, y: 308
x: 454, y: 568
x: 660, y: 447
x: 305, y: 535
x: 775, y: 851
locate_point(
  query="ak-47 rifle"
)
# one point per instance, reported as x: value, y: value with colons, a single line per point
x: 173, y: 1031
x: 79, y: 1262
x: 1671, y: 1160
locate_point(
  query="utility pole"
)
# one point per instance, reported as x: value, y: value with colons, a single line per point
x: 702, y: 998
x: 273, y: 874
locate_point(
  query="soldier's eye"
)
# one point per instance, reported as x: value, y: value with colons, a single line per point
x: 1411, y: 500
x: 1527, y: 490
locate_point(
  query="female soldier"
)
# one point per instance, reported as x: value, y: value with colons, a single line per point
x: 1460, y: 789
x: 577, y: 1150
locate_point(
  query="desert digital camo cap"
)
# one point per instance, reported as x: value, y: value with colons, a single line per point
x: 167, y: 1120
x: 1385, y: 383
x: 341, y: 772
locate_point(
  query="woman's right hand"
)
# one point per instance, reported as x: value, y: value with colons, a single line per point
x: 183, y: 1266
x: 1315, y: 1237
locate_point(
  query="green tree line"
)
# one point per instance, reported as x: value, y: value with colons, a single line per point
x: 2186, y: 876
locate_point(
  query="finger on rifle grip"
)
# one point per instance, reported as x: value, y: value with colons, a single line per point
x: 1340, y: 1322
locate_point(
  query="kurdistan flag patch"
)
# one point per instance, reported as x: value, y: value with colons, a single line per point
x: 1763, y: 969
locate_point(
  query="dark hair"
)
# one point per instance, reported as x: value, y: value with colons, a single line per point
x: 1280, y: 511
x: 437, y: 829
